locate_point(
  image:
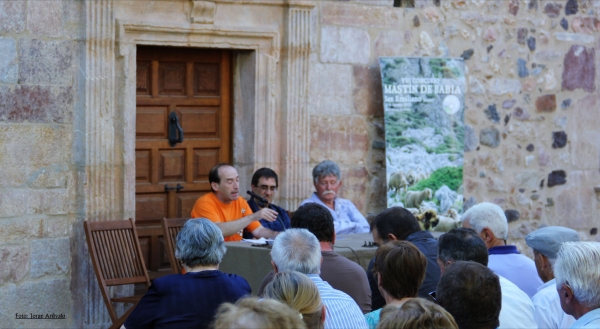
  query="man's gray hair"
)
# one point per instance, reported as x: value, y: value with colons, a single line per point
x: 488, y: 215
x: 326, y: 168
x: 200, y: 242
x: 578, y: 266
x: 296, y: 249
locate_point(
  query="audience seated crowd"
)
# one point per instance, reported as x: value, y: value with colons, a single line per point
x: 340, y: 272
x: 471, y: 276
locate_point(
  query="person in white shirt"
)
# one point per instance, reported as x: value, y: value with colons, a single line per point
x: 327, y: 179
x: 463, y: 244
x: 545, y: 243
x: 577, y: 272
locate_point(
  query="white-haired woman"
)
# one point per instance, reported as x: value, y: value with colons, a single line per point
x: 190, y: 300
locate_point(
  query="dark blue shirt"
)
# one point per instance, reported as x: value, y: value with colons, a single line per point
x: 282, y: 217
x: 186, y: 300
x: 428, y: 245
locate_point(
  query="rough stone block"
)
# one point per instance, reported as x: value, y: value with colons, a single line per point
x: 56, y: 226
x: 389, y: 43
x: 349, y: 45
x: 355, y: 185
x: 331, y: 89
x: 499, y: 86
x: 527, y: 179
x: 36, y: 104
x: 16, y: 202
x: 45, y: 62
x: 16, y: 229
x: 38, y: 297
x: 546, y: 103
x: 579, y: 69
x: 27, y: 154
x: 12, y: 16
x: 9, y: 66
x: 14, y: 261
x: 350, y: 14
x: 367, y: 91
x: 50, y: 257
x: 342, y: 138
x: 585, y: 24
x: 45, y: 17
x: 573, y: 202
x: 584, y: 134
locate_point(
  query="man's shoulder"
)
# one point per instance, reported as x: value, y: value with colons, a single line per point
x: 338, y: 263
x: 510, y: 289
x: 312, y: 198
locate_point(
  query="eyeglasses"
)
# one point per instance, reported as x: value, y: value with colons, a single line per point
x: 432, y: 297
x: 265, y: 188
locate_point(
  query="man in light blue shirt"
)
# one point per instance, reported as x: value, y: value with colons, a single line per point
x: 577, y: 272
x: 299, y: 250
x: 489, y: 221
x: 327, y: 179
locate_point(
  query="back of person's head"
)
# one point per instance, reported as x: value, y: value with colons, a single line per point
x: 402, y: 268
x: 462, y: 244
x: 416, y: 313
x: 296, y: 249
x: 488, y: 215
x: 253, y: 313
x: 315, y: 218
x: 200, y: 242
x: 266, y: 173
x: 300, y: 293
x: 397, y: 221
x: 578, y: 266
x: 471, y: 293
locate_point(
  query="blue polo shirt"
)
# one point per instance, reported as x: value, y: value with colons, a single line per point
x: 282, y: 217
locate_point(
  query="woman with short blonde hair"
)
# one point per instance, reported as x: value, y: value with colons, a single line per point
x: 300, y: 293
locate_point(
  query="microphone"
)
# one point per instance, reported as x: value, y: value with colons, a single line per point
x: 263, y: 203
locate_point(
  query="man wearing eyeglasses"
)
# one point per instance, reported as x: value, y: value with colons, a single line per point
x: 265, y: 184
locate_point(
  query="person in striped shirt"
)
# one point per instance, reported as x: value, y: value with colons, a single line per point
x: 299, y: 250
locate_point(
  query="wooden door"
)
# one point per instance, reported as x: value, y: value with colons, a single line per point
x: 195, y: 85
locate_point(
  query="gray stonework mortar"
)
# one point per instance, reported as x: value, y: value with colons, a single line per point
x: 50, y: 257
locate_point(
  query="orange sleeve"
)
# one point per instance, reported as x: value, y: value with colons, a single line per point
x: 203, y: 208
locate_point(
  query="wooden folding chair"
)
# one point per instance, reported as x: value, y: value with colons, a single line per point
x: 171, y: 227
x: 117, y: 259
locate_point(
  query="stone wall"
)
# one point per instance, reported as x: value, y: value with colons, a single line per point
x: 38, y: 65
x: 532, y: 111
x: 65, y: 155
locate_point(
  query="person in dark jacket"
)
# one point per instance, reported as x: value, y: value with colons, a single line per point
x: 397, y: 223
x: 190, y: 300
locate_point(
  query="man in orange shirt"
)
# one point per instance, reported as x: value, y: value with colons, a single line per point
x: 224, y: 207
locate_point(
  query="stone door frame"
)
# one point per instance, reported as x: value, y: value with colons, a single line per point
x: 262, y: 65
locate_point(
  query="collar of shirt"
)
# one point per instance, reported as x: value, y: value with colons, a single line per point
x: 502, y: 250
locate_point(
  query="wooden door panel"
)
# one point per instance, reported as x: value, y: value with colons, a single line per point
x: 206, y: 80
x: 143, y: 78
x: 171, y: 78
x: 199, y: 122
x: 204, y: 160
x: 171, y: 165
x: 195, y: 85
x: 143, y: 166
x: 151, y: 122
x: 150, y: 207
x: 186, y: 203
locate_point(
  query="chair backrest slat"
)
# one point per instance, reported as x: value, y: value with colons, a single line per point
x: 117, y: 259
x: 171, y: 227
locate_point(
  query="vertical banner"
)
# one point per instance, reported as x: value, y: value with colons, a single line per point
x: 424, y: 132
